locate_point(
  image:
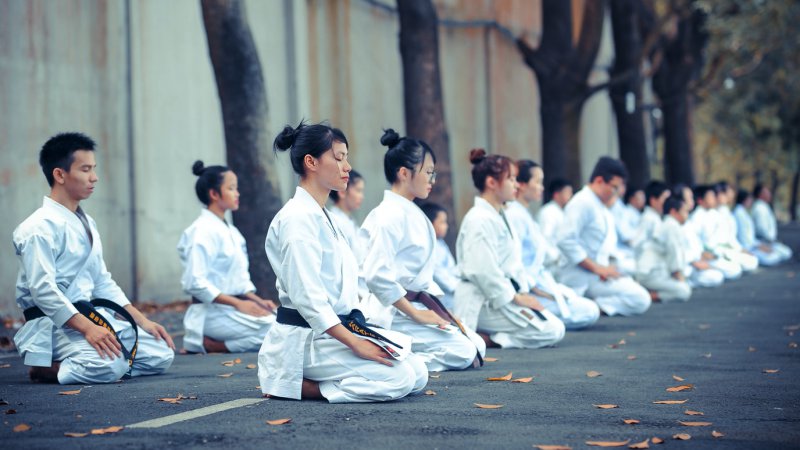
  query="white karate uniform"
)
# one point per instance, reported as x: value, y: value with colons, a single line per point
x: 713, y: 229
x: 590, y: 233
x: 58, y: 265
x: 647, y: 229
x: 626, y: 221
x: 575, y: 311
x: 214, y: 258
x: 767, y: 228
x: 659, y: 257
x: 550, y: 219
x: 489, y: 257
x: 746, y: 235
x: 719, y: 269
x: 445, y: 272
x: 317, y: 275
x: 399, y: 243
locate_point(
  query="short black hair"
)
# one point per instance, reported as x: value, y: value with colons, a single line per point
x: 741, y: 196
x: 208, y: 178
x: 432, y: 210
x: 654, y: 189
x: 558, y: 184
x: 58, y: 152
x: 701, y: 190
x: 677, y: 189
x: 354, y: 177
x: 721, y: 186
x: 630, y: 191
x: 305, y: 139
x: 402, y: 152
x: 673, y: 202
x: 608, y: 168
x: 757, y: 190
x: 525, y: 168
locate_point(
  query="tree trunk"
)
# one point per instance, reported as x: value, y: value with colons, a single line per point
x: 562, y: 69
x: 422, y: 95
x: 678, y: 153
x: 630, y: 120
x: 242, y: 94
x: 793, y: 201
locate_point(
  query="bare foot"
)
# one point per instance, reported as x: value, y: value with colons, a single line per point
x: 489, y: 342
x: 214, y: 346
x: 311, y: 390
x: 45, y: 374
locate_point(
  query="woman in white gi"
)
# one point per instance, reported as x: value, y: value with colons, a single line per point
x: 746, y: 232
x: 588, y: 240
x: 445, y: 272
x: 399, y: 244
x: 345, y: 204
x: 656, y: 193
x: 60, y: 264
x: 575, y: 311
x: 765, y: 223
x: 704, y: 221
x: 698, y: 271
x: 494, y: 294
x: 317, y: 277
x: 661, y: 259
x: 226, y: 315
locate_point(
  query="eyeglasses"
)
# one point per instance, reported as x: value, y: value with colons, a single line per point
x: 431, y: 175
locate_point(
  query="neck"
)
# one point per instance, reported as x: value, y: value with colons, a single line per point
x: 403, y: 191
x: 521, y: 200
x: 61, y: 197
x: 344, y: 208
x: 319, y: 193
x: 492, y: 199
x: 217, y: 210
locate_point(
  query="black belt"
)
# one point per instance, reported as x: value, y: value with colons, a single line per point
x: 355, y: 322
x: 88, y: 309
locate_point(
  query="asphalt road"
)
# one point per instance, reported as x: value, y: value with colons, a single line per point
x: 721, y: 342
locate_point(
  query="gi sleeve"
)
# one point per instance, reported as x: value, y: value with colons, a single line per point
x: 198, y: 252
x: 575, y: 218
x: 379, y: 261
x: 481, y: 266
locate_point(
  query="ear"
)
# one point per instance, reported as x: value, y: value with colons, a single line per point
x: 490, y: 182
x: 214, y: 195
x: 59, y: 175
x: 403, y: 174
x: 310, y: 163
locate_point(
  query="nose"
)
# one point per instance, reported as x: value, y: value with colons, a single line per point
x: 347, y: 166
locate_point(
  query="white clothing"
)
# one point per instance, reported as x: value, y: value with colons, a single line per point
x: 719, y: 270
x: 767, y: 228
x: 746, y: 235
x: 399, y: 241
x: 348, y: 226
x: 317, y: 275
x: 489, y: 257
x: 626, y: 221
x: 445, y: 272
x: 659, y: 257
x: 550, y: 219
x: 647, y: 229
x: 712, y: 228
x: 590, y: 233
x: 575, y: 311
x: 59, y: 265
x: 214, y: 257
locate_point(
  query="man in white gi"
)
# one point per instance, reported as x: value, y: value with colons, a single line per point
x: 575, y: 311
x: 746, y: 232
x: 766, y: 225
x: 627, y: 216
x: 588, y: 239
x: 551, y: 218
x: 61, y: 263
x: 698, y: 271
x: 661, y: 259
x: 656, y: 193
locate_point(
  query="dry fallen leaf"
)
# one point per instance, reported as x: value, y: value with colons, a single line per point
x: 76, y: 434
x: 792, y: 327
x: 694, y: 424
x: 630, y: 421
x: 21, y: 428
x: 484, y: 406
x: 704, y: 326
x: 657, y: 440
x: 608, y: 443
x: 552, y: 447
x: 5, y: 366
x: 175, y: 400
x: 751, y: 349
x: 717, y: 434
x: 226, y: 375
x: 644, y: 444
x: 706, y: 355
x: 792, y: 344
x: 631, y: 333
x: 279, y: 421
x: 683, y: 387
x: 670, y: 402
x: 251, y: 366
x: 237, y: 361
x: 430, y: 392
x: 689, y: 412
x: 771, y: 370
x: 503, y: 378
x: 490, y: 359
x: 75, y: 392
x: 605, y: 406
x: 682, y: 436
x: 593, y: 374
x: 113, y: 429
x: 522, y: 380
x: 621, y: 342
x: 677, y: 378
x: 631, y: 357
x: 430, y: 375
x: 228, y: 363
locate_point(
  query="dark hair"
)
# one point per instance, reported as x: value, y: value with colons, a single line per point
x: 484, y: 165
x: 609, y: 168
x: 354, y: 177
x: 432, y: 210
x: 58, y: 152
x: 525, y: 168
x: 403, y: 152
x: 654, y: 189
x: 757, y: 190
x: 305, y: 140
x: 741, y: 196
x: 673, y: 202
x: 208, y: 178
x: 557, y: 185
x: 630, y: 192
x: 721, y: 186
x: 701, y: 190
x: 677, y: 189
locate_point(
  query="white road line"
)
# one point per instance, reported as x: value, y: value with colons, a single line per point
x: 194, y: 414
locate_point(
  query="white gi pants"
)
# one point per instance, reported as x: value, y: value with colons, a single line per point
x: 582, y: 311
x: 510, y: 335
x: 621, y: 296
x: 730, y: 269
x: 346, y: 378
x: 440, y: 350
x: 747, y: 262
x: 667, y: 288
x: 705, y: 278
x: 81, y: 364
x: 779, y: 254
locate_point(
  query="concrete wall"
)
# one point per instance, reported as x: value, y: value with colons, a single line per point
x: 136, y: 76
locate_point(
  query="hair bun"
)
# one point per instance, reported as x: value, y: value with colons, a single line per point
x: 390, y: 138
x: 476, y: 155
x: 198, y: 167
x: 287, y: 137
